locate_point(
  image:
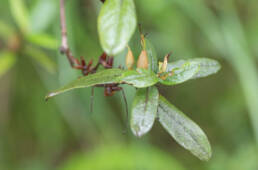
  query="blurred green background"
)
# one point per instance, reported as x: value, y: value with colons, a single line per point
x: 63, y: 134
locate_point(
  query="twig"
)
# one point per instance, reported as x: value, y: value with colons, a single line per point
x: 64, y: 49
x: 104, y: 60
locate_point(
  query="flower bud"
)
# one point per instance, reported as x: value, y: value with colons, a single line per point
x: 129, y: 59
x: 165, y: 64
x: 143, y: 60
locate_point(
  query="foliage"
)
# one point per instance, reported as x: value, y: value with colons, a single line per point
x: 35, y: 135
x: 184, y: 130
x: 115, y: 16
x: 123, y: 157
x: 144, y: 110
x: 116, y: 25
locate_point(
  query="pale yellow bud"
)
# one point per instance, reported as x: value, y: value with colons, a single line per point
x: 165, y: 64
x: 129, y: 59
x: 143, y: 60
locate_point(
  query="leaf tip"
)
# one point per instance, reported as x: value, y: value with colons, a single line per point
x: 137, y: 132
x: 207, y: 157
x: 209, y: 154
x: 219, y: 66
x: 49, y: 96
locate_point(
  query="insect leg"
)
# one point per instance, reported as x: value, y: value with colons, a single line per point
x: 92, y: 99
x: 126, y: 109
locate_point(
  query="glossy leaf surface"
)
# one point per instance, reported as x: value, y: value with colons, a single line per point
x: 139, y: 79
x: 144, y: 110
x: 186, y: 132
x: 207, y: 66
x: 116, y: 25
x: 179, y: 72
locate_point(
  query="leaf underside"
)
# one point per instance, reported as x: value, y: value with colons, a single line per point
x: 144, y: 110
x: 186, y: 132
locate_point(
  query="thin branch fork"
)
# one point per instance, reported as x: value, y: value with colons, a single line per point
x: 104, y: 60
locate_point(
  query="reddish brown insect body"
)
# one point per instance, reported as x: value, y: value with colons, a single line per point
x: 110, y: 89
x: 107, y: 63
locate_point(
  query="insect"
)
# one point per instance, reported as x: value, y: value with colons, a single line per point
x: 86, y: 69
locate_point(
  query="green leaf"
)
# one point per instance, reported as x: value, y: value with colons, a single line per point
x: 179, y: 72
x: 103, y: 77
x: 187, y: 133
x: 20, y: 14
x: 42, y: 15
x: 41, y: 58
x: 116, y: 25
x: 139, y: 78
x: 7, y: 60
x: 6, y: 31
x: 207, y: 66
x: 122, y: 157
x: 144, y: 110
x: 152, y: 56
x: 43, y: 40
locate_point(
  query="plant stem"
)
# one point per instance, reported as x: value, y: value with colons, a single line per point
x: 64, y: 49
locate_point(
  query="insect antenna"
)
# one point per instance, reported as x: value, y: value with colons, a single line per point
x: 140, y: 28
